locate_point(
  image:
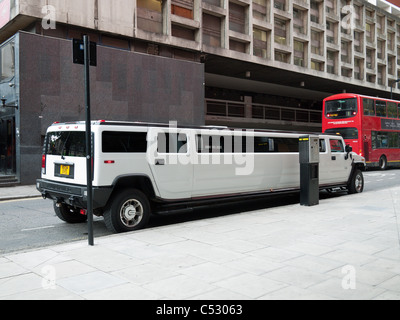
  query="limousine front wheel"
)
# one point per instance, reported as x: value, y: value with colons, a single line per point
x: 356, y: 184
x: 128, y: 210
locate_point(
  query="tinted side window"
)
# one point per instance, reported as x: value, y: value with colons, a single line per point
x: 171, y: 143
x: 124, y: 142
x: 336, y: 145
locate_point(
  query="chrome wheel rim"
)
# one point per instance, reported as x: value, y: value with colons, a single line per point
x: 131, y: 213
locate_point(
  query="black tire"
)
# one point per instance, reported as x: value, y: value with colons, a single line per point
x: 128, y: 210
x: 69, y: 214
x: 383, y: 163
x: 356, y: 184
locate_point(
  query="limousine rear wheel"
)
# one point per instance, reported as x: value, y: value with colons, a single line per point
x: 128, y: 210
x: 68, y: 214
x: 356, y: 184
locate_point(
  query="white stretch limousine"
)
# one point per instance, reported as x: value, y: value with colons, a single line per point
x: 143, y: 168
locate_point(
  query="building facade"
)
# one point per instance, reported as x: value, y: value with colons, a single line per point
x: 245, y: 63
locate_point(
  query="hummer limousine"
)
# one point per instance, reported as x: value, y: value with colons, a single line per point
x: 144, y: 168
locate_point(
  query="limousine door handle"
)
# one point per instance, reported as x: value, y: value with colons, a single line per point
x: 160, y: 162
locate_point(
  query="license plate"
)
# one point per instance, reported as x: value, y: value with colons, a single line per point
x: 65, y: 170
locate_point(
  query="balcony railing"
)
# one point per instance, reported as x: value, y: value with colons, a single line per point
x: 224, y: 108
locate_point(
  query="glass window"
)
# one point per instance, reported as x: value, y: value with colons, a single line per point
x: 339, y: 109
x: 385, y: 140
x: 392, y: 110
x: 66, y: 143
x: 124, y: 142
x: 369, y: 108
x: 380, y: 108
x: 322, y: 145
x: 211, y: 144
x: 346, y: 133
x: 7, y: 65
x: 336, y: 145
x: 172, y: 143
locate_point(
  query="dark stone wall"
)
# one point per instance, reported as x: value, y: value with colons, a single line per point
x: 124, y: 86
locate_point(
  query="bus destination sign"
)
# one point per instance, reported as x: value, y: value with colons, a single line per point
x: 390, y: 124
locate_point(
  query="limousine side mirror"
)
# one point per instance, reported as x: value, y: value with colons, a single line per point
x: 348, y: 149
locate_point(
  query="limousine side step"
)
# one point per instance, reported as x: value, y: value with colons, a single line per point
x: 203, y: 203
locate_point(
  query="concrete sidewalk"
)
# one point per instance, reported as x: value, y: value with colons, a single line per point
x: 345, y: 248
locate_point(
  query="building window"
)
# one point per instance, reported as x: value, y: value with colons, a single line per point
x: 280, y: 4
x: 369, y: 32
x: 316, y: 45
x: 331, y: 32
x: 260, y: 43
x: 391, y: 60
x: 280, y: 31
x: 7, y: 57
x: 299, y: 53
x: 370, y: 59
x: 347, y: 72
x: 358, y: 69
x: 314, y: 11
x: 260, y: 9
x: 211, y: 30
x: 316, y: 65
x: 182, y: 8
x: 183, y: 33
x: 380, y: 24
x: 380, y: 49
x: 390, y: 41
x: 358, y: 42
x: 331, y: 62
x: 237, y: 17
x: 299, y: 21
x: 282, y: 56
x: 237, y: 46
x: 213, y: 2
x: 371, y: 78
x: 149, y: 15
x: 330, y: 6
x: 381, y: 75
x: 345, y: 52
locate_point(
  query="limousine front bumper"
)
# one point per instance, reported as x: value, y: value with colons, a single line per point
x: 73, y: 195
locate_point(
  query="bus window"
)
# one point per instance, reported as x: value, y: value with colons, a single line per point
x: 380, y: 108
x: 339, y: 109
x: 369, y: 108
x: 398, y: 110
x: 336, y: 145
x: 392, y: 110
x: 346, y: 133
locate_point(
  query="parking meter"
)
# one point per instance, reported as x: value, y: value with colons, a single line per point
x: 309, y: 170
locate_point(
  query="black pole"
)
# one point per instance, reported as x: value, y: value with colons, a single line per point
x: 88, y: 141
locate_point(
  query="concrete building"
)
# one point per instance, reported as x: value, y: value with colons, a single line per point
x: 246, y: 63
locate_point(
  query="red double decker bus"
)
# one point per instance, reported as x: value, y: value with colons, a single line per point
x: 371, y: 126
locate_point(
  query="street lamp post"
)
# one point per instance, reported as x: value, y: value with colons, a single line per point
x: 391, y: 88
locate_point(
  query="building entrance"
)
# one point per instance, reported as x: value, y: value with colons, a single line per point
x: 7, y: 146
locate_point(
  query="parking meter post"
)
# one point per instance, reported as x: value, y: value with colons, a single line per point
x: 88, y: 141
x: 309, y: 170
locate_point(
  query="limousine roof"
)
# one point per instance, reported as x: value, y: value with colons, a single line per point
x: 167, y: 125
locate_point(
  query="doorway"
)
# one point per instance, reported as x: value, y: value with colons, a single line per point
x: 7, y: 146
